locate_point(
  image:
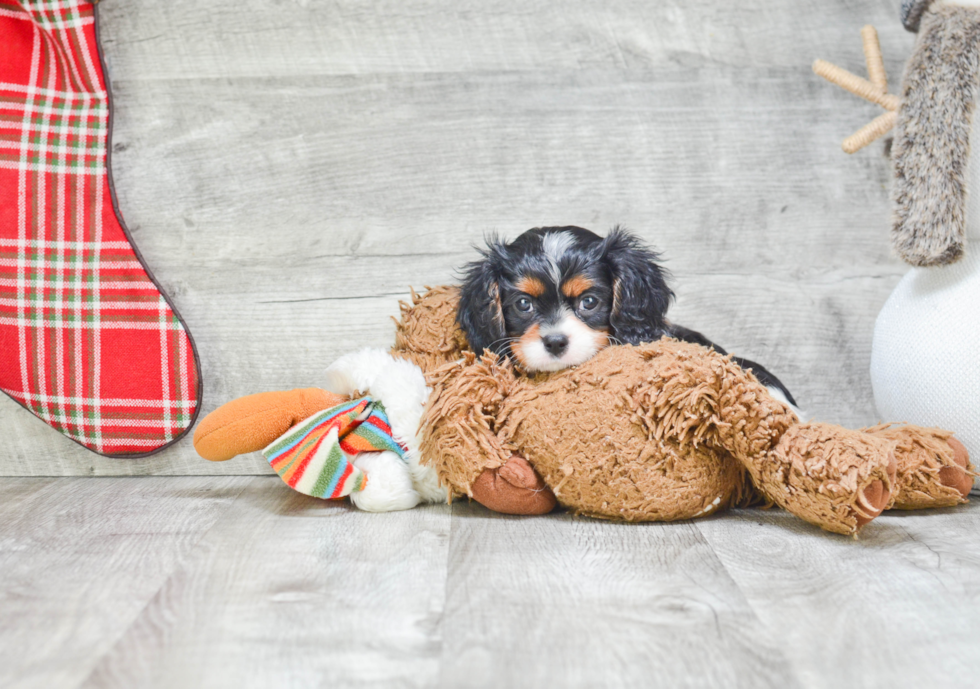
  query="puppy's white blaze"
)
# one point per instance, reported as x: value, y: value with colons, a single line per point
x: 555, y: 245
x: 583, y: 343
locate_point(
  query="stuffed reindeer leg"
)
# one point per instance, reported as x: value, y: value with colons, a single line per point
x: 461, y: 442
x: 250, y: 423
x: 359, y: 439
x: 824, y: 474
x: 321, y: 444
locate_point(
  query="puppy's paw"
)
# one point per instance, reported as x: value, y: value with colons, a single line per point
x: 514, y: 488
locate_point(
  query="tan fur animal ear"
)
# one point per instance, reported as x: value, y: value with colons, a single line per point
x: 874, y: 89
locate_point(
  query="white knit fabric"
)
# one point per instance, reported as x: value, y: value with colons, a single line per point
x: 925, y: 358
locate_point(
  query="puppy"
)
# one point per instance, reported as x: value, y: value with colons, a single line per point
x: 555, y: 296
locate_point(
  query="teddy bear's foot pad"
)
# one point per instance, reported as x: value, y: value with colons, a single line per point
x: 957, y: 477
x: 934, y: 468
x: 875, y: 497
x: 837, y: 479
x: 514, y: 488
x: 871, y: 502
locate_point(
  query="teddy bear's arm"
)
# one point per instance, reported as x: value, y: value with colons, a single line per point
x: 459, y: 424
x: 460, y: 435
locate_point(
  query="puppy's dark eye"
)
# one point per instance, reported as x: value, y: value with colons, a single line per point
x: 524, y: 304
x: 588, y: 303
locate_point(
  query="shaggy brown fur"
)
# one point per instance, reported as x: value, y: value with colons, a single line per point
x: 923, y: 455
x: 429, y: 336
x: 461, y: 420
x: 932, y: 137
x: 594, y: 443
x: 662, y: 431
x: 825, y: 474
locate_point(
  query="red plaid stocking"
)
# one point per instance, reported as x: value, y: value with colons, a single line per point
x: 88, y: 342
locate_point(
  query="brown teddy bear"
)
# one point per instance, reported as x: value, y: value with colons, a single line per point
x: 658, y: 432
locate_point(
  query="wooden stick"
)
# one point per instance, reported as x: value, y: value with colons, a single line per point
x: 855, y: 84
x: 875, y: 90
x: 872, y: 131
x: 872, y: 56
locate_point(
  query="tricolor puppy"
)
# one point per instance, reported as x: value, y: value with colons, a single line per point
x: 555, y: 296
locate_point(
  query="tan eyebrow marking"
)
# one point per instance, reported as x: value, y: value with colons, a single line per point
x: 574, y: 286
x: 531, y: 286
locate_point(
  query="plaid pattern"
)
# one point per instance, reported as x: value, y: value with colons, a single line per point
x: 316, y: 457
x: 87, y: 341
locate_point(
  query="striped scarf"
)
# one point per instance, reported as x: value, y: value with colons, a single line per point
x: 315, y: 457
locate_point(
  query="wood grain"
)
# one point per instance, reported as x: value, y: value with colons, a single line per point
x: 80, y: 558
x: 563, y: 601
x: 881, y: 611
x: 241, y: 582
x: 294, y: 591
x: 289, y: 170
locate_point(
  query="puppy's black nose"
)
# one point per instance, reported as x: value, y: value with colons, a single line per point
x: 556, y: 343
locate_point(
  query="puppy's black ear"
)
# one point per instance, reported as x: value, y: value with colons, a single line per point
x: 480, y: 314
x: 640, y: 293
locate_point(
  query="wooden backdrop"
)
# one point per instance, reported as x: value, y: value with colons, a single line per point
x: 289, y: 169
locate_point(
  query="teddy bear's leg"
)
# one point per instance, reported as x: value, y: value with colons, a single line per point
x: 832, y: 477
x: 934, y: 468
x: 460, y: 440
x: 827, y: 475
x: 514, y: 488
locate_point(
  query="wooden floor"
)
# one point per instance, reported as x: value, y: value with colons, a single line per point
x: 290, y: 169
x: 240, y: 582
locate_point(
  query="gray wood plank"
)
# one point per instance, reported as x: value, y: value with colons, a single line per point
x: 249, y: 38
x: 293, y: 591
x: 80, y: 559
x: 218, y: 581
x: 896, y: 608
x: 285, y: 191
x: 568, y: 602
